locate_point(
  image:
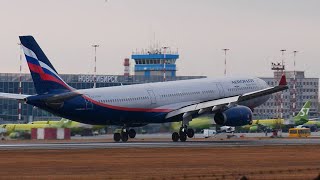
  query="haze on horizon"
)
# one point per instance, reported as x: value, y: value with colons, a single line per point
x: 253, y: 30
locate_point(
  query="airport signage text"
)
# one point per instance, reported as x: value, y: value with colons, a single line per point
x: 101, y: 79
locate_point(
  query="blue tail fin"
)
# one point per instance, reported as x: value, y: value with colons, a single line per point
x: 45, y: 77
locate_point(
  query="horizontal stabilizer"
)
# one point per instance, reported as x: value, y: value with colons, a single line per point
x: 54, y: 98
x: 13, y: 96
x: 62, y: 97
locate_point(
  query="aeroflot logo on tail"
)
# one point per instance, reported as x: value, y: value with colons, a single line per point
x: 243, y: 81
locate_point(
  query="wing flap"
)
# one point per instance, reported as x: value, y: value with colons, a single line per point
x: 217, y: 102
x: 181, y: 111
x: 203, y: 105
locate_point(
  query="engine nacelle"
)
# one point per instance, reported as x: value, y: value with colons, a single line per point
x: 235, y: 116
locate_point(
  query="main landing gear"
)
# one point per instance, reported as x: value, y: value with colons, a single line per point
x: 184, y: 132
x: 124, y: 135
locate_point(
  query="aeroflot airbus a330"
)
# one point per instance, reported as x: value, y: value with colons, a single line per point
x: 231, y: 99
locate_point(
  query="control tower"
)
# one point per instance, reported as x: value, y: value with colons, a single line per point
x: 155, y: 62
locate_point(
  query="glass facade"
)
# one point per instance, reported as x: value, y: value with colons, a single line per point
x: 151, y: 63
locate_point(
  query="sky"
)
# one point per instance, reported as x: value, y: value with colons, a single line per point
x: 254, y: 30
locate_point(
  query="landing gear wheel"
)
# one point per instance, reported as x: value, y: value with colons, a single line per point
x: 124, y: 136
x: 190, y: 133
x: 183, y: 136
x: 175, y: 137
x: 132, y: 133
x: 116, y: 137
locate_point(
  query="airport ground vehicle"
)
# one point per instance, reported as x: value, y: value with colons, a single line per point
x: 209, y: 132
x: 231, y: 99
x: 227, y: 129
x: 299, y: 132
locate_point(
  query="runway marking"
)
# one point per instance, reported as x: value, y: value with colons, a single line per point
x: 162, y: 144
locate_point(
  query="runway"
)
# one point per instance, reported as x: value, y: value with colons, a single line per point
x: 159, y: 144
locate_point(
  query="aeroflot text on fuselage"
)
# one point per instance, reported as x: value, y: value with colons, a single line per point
x: 243, y: 81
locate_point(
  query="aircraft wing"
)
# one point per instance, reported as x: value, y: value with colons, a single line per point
x: 13, y: 96
x: 217, y: 104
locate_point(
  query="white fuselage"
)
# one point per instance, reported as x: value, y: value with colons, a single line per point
x: 176, y: 94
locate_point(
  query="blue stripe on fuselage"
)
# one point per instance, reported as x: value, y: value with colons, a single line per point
x: 78, y: 109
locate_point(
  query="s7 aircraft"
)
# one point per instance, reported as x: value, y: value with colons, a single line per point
x: 269, y: 124
x: 231, y: 99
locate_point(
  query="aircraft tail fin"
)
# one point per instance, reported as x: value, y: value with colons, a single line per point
x: 304, y: 113
x: 44, y: 75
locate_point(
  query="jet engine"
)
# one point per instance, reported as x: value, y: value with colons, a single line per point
x: 235, y: 116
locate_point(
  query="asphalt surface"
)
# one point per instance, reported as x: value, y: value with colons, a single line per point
x: 167, y: 136
x: 160, y: 144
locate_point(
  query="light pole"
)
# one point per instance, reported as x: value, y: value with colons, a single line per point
x: 164, y: 62
x: 294, y: 84
x: 225, y: 61
x: 95, y: 65
x: 282, y: 72
x: 20, y: 82
x: 281, y: 95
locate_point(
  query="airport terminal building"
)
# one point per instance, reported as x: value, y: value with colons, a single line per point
x: 306, y: 89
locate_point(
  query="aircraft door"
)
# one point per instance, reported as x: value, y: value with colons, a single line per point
x: 152, y: 96
x: 220, y: 89
x: 89, y: 105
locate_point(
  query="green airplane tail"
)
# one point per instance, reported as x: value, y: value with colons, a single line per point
x: 303, y: 116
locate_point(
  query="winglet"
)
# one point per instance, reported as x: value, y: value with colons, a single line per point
x: 283, y: 81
